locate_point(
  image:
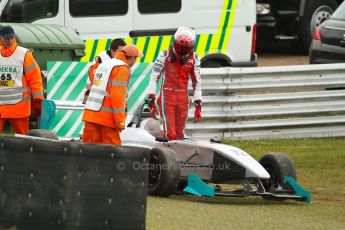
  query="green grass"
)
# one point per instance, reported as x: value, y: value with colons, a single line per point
x: 320, y: 165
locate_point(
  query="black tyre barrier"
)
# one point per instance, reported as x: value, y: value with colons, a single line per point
x: 47, y: 184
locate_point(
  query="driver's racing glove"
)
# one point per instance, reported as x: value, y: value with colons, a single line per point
x: 197, y: 112
x: 152, y: 106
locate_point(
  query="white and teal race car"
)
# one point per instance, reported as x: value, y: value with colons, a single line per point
x: 199, y: 167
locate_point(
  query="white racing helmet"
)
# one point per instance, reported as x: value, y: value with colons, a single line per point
x: 184, y: 41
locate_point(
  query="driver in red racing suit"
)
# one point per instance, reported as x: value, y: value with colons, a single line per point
x: 175, y: 66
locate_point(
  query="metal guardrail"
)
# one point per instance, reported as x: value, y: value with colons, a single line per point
x: 267, y: 102
x: 272, y: 102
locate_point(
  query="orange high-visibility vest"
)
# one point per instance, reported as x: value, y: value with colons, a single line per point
x: 100, y: 58
x: 114, y: 103
x: 99, y: 87
x: 20, y: 78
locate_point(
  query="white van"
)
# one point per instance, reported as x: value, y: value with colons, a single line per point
x: 226, y: 29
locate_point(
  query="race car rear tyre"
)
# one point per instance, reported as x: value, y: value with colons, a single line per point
x: 164, y: 172
x: 278, y: 165
x: 43, y: 134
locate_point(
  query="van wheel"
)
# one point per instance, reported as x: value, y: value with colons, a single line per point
x: 43, y: 134
x: 164, y: 172
x: 212, y: 64
x: 316, y: 12
x: 278, y: 165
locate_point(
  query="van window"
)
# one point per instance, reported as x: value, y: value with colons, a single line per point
x: 83, y: 8
x: 159, y: 6
x: 29, y: 10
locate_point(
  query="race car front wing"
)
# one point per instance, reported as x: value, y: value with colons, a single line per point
x: 198, y: 187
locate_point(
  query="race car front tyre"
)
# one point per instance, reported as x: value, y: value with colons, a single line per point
x: 278, y: 165
x: 164, y: 172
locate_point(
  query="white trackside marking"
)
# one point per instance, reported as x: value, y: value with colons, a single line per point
x: 62, y: 79
x: 140, y: 79
x: 142, y: 96
x: 75, y: 126
x: 63, y: 121
x: 75, y: 82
